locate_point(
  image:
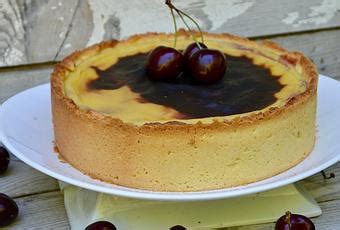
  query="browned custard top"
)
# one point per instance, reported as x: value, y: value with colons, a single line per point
x: 112, y: 81
x: 246, y: 87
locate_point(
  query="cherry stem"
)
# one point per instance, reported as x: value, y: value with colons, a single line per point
x: 326, y: 177
x: 188, y: 27
x: 181, y: 13
x: 196, y: 24
x: 175, y: 25
x: 288, y: 219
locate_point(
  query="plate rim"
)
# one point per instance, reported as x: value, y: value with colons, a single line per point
x: 155, y: 195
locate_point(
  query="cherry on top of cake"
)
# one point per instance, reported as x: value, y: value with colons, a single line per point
x: 200, y: 63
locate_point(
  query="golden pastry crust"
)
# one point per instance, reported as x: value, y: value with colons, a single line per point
x: 175, y: 155
x: 70, y: 63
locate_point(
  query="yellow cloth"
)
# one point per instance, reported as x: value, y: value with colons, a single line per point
x: 84, y: 207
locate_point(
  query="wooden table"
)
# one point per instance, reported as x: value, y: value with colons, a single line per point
x: 35, y: 34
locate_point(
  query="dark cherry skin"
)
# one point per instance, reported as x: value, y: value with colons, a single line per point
x: 191, y: 49
x: 8, y: 210
x: 177, y: 227
x: 294, y: 222
x: 101, y: 225
x: 4, y: 160
x: 207, y: 66
x: 164, y: 64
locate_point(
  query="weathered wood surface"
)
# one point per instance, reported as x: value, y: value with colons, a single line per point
x: 42, y: 211
x: 324, y: 190
x: 14, y: 80
x: 33, y: 31
x: 22, y: 180
x: 322, y: 47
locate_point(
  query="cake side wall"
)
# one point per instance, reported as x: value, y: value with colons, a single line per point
x: 184, y: 159
x: 214, y: 158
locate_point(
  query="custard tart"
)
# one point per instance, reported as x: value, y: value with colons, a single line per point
x: 114, y: 124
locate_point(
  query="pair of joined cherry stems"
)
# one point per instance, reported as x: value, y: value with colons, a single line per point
x: 203, y: 65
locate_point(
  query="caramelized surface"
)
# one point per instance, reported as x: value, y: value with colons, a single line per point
x: 112, y: 81
x: 244, y: 88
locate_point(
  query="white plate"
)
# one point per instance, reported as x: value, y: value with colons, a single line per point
x: 26, y: 130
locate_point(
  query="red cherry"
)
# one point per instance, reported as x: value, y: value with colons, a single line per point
x: 191, y: 49
x: 294, y: 222
x: 4, y: 160
x: 101, y: 225
x: 164, y: 64
x: 177, y: 227
x: 207, y: 66
x: 8, y: 210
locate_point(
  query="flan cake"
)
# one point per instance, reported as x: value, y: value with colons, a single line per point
x: 114, y: 124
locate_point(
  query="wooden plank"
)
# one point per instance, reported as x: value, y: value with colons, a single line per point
x: 14, y: 80
x: 43, y: 211
x: 22, y: 180
x: 46, y: 28
x: 80, y: 30
x: 324, y: 190
x: 322, y: 47
x: 330, y: 220
x: 12, y: 35
x: 35, y: 31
